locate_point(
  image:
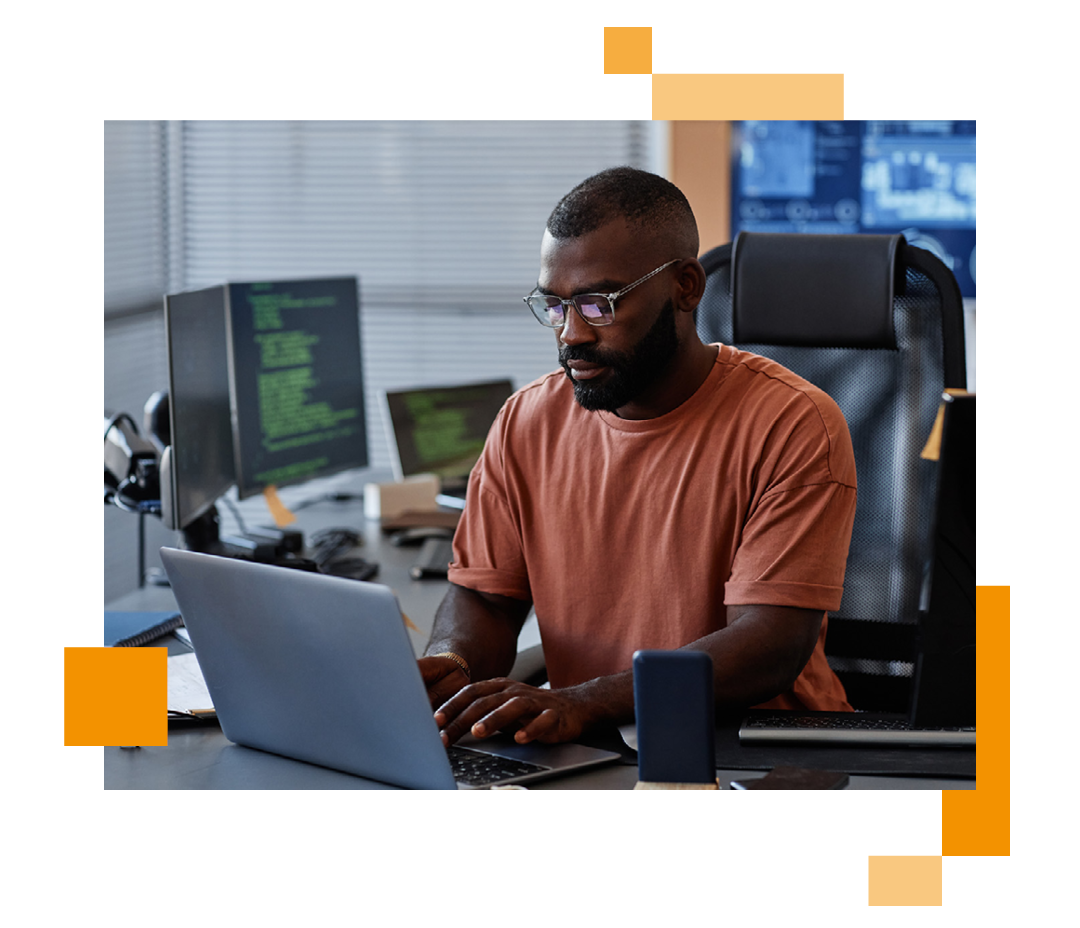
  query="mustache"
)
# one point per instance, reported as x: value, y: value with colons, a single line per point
x: 590, y: 354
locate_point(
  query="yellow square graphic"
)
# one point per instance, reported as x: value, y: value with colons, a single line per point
x: 628, y: 49
x: 116, y: 696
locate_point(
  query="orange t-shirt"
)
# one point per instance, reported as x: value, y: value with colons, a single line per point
x: 629, y: 534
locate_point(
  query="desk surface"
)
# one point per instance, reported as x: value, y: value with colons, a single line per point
x: 203, y: 758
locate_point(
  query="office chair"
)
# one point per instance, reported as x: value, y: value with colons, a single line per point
x: 878, y: 325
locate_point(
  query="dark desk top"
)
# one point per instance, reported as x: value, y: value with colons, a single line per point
x: 203, y: 758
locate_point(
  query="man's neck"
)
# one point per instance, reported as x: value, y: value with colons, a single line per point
x: 689, y: 368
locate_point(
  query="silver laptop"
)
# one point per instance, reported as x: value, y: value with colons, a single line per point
x: 321, y: 669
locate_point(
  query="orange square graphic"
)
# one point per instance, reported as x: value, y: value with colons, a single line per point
x: 116, y: 696
x: 628, y: 49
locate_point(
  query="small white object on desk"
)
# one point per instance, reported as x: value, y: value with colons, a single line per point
x: 387, y: 500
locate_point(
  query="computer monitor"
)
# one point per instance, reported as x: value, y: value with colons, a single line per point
x: 911, y: 176
x: 198, y: 466
x: 441, y: 430
x: 296, y: 381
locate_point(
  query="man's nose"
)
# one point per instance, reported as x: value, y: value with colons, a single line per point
x: 576, y: 331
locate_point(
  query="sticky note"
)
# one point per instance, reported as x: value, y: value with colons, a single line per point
x: 278, y: 510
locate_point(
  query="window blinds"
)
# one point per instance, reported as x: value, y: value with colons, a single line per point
x: 425, y: 213
x: 440, y: 221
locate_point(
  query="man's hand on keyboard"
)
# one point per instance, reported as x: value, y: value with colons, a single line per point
x: 506, y: 705
x: 443, y: 678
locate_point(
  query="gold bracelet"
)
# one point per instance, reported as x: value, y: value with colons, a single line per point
x: 457, y: 659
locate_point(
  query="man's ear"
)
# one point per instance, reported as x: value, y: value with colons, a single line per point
x: 690, y: 281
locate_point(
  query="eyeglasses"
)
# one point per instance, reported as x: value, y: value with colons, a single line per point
x: 594, y: 308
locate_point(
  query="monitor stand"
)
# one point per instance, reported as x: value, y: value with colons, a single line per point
x: 267, y: 547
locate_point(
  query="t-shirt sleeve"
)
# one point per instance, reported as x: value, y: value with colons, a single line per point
x: 488, y: 543
x: 794, y: 543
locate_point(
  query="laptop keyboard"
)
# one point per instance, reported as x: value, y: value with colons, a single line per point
x: 477, y: 768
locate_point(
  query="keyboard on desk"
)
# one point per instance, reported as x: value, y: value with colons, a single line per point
x: 477, y: 768
x: 434, y: 558
x: 848, y: 728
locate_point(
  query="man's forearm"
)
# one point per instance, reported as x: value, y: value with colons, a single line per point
x: 605, y: 700
x: 755, y: 658
x: 760, y: 653
x: 481, y: 628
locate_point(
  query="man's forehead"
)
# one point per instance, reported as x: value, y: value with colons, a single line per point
x: 611, y: 253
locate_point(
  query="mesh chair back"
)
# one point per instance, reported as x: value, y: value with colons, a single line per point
x: 890, y: 398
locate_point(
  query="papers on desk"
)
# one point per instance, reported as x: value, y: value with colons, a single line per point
x: 187, y: 688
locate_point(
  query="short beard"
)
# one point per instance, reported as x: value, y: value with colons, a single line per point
x: 632, y: 372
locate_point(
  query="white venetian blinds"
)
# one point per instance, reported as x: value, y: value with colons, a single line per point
x: 425, y: 213
x: 440, y: 221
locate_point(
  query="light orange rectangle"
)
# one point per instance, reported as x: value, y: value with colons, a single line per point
x: 905, y: 881
x: 116, y: 696
x: 748, y: 96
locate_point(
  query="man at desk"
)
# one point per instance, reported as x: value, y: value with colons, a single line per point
x: 656, y: 492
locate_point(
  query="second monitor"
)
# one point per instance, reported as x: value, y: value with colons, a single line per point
x: 296, y: 381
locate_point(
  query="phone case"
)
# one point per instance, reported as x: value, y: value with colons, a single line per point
x: 673, y: 703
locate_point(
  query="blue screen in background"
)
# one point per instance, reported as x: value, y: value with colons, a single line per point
x: 998, y: 201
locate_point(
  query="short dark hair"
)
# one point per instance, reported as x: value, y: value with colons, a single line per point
x: 641, y: 198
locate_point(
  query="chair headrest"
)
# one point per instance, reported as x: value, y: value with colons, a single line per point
x: 819, y: 290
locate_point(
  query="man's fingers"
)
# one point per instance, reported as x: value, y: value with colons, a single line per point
x: 503, y: 716
x: 545, y: 723
x: 504, y: 705
x: 452, y: 683
x: 442, y: 677
x: 464, y: 697
x: 474, y: 703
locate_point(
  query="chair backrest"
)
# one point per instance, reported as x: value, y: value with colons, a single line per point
x: 878, y: 325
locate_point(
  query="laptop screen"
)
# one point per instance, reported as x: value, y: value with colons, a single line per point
x: 441, y: 430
